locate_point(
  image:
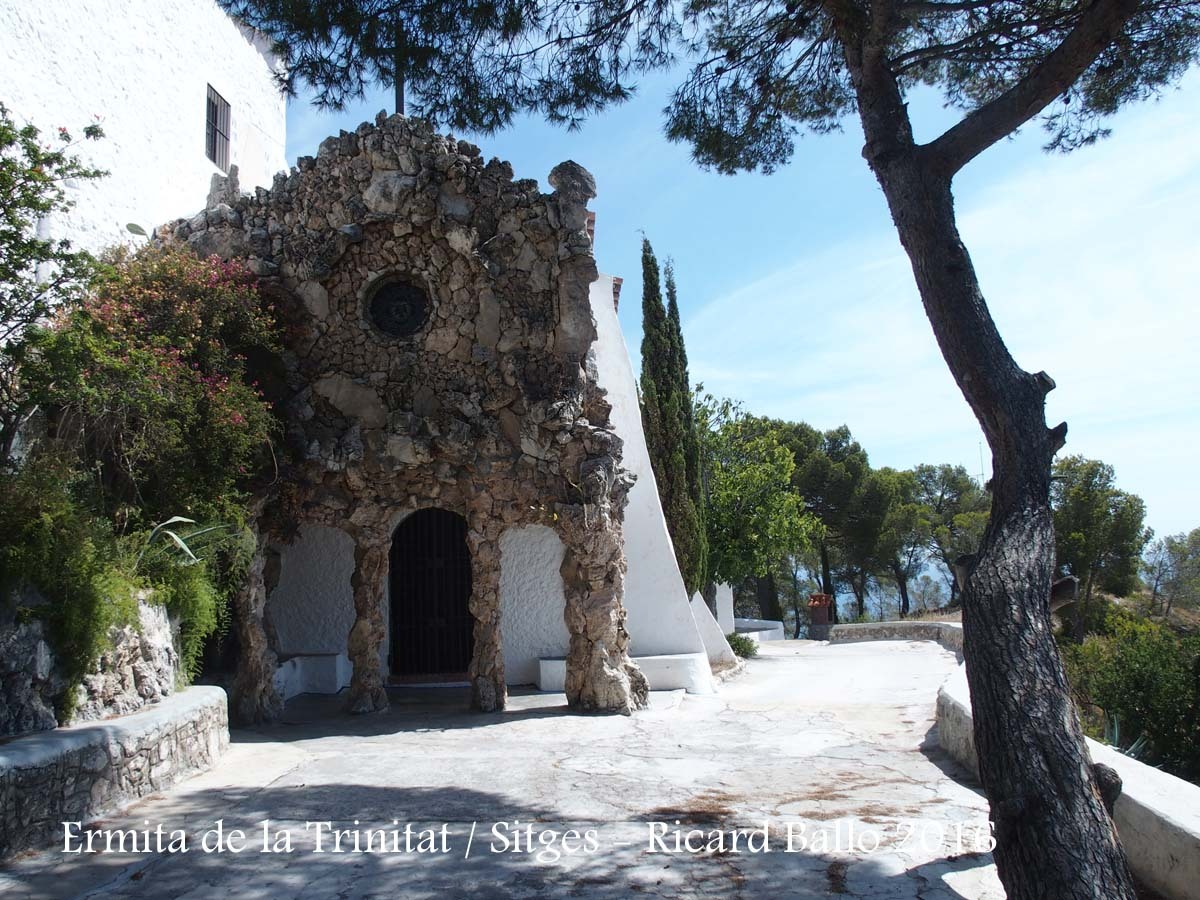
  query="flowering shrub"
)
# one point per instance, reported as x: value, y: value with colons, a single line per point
x: 152, y: 411
x: 149, y: 381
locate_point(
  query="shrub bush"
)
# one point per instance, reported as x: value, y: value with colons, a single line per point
x: 149, y: 383
x: 52, y: 542
x: 742, y: 645
x: 152, y: 412
x: 1143, y: 675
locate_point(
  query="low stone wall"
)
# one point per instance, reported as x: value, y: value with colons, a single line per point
x: 760, y: 630
x: 948, y: 634
x: 1157, y: 815
x: 82, y: 772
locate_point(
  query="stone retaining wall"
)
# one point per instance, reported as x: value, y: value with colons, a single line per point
x: 82, y: 772
x: 137, y: 668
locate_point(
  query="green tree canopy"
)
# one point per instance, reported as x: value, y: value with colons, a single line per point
x: 958, y: 513
x: 754, y: 517
x: 1172, y: 571
x: 902, y: 547
x: 1100, y: 529
x: 830, y: 467
x: 37, y: 274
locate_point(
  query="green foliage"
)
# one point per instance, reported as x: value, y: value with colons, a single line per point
x: 958, y: 509
x: 52, y: 541
x: 37, y: 274
x: 830, y: 466
x: 1141, y: 674
x: 690, y: 444
x: 151, y: 411
x: 743, y: 646
x: 1171, y: 569
x: 754, y: 518
x: 1099, y: 530
x: 668, y: 420
x: 148, y: 382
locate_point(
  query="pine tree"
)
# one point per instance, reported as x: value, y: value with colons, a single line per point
x: 666, y: 417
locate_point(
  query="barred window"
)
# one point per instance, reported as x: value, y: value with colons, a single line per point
x: 216, y: 136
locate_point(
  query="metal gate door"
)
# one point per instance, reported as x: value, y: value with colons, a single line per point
x: 430, y: 581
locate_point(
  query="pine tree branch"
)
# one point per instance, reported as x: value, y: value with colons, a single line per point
x: 1099, y: 25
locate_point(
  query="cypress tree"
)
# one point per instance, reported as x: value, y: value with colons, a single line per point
x: 656, y: 347
x: 698, y: 534
x: 668, y: 421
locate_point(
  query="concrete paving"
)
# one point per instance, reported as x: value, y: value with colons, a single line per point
x: 831, y: 746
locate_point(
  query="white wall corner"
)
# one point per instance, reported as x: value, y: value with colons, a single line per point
x: 660, y: 619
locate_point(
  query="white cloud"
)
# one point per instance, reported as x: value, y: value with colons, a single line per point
x: 1091, y: 268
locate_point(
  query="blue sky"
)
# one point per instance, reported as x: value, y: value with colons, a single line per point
x: 797, y: 298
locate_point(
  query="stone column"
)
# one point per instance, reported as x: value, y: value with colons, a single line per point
x: 255, y: 699
x: 488, y: 690
x: 367, y: 692
x: 600, y: 674
x: 575, y: 329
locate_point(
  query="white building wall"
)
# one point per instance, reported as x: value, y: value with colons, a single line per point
x: 725, y: 608
x: 659, y: 613
x: 720, y: 654
x: 724, y: 617
x: 312, y: 606
x: 140, y: 68
x: 532, y: 601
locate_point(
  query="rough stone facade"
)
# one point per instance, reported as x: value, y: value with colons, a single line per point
x: 84, y: 771
x: 139, y: 667
x: 28, y: 679
x: 485, y: 408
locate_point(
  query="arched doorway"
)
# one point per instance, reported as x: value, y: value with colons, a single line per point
x: 430, y: 585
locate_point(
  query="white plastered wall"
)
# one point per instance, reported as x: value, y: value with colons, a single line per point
x: 659, y: 613
x: 143, y: 67
x: 720, y: 654
x: 725, y: 608
x: 532, y: 602
x: 312, y: 606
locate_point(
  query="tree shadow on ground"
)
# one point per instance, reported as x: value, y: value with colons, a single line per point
x: 413, y: 710
x: 604, y: 860
x: 931, y: 748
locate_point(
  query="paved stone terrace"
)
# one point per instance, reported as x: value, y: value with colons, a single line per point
x: 831, y: 738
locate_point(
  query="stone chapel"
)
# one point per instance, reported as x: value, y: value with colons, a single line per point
x: 458, y: 507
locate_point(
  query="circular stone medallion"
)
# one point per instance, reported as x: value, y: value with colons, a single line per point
x: 399, y: 308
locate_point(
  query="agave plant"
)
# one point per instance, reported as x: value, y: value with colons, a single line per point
x: 1112, y: 736
x: 177, y: 540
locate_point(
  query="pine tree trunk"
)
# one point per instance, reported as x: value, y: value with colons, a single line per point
x: 827, y: 583
x: 902, y: 585
x: 1083, y: 606
x: 768, y: 598
x: 1054, y: 837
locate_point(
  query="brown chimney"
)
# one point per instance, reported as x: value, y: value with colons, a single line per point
x: 617, y: 282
